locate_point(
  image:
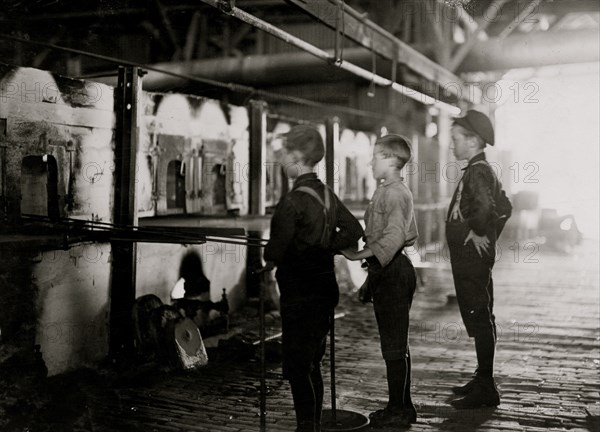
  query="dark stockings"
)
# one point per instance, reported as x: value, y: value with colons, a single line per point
x: 307, y: 392
x: 397, y: 377
x: 485, y: 346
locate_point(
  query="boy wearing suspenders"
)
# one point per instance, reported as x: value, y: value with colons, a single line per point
x: 309, y: 225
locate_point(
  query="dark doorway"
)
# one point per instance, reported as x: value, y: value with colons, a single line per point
x: 219, y: 184
x: 39, y: 186
x: 175, y: 185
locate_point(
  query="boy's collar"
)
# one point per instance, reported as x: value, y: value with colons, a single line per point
x: 306, y: 176
x: 391, y: 181
x: 479, y: 156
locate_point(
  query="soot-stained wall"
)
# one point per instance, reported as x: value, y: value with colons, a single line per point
x: 60, y: 299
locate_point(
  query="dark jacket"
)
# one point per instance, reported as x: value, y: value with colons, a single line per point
x: 305, y: 270
x: 480, y: 190
x: 297, y: 226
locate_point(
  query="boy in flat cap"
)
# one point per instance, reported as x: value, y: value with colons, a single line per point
x: 476, y: 216
x: 309, y: 225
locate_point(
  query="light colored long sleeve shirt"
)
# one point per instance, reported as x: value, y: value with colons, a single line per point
x: 390, y: 220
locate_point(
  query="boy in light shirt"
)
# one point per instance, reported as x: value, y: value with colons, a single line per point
x: 390, y: 228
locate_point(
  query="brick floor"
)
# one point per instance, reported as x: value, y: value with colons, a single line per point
x: 547, y: 365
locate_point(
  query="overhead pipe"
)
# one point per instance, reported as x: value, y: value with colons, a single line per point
x: 517, y: 51
x: 533, y: 50
x: 228, y: 86
x: 325, y: 56
x: 254, y: 70
x: 260, y: 70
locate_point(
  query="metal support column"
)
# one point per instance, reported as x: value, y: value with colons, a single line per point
x: 332, y: 137
x: 127, y: 98
x: 3, y: 164
x: 258, y: 149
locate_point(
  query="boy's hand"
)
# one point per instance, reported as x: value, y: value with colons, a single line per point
x: 270, y: 265
x: 354, y: 255
x: 349, y: 253
x: 481, y: 243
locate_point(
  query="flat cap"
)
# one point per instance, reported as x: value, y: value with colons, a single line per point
x: 478, y: 123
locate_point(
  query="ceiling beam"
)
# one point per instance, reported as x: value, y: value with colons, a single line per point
x: 519, y: 19
x: 40, y: 57
x: 371, y: 36
x: 191, y: 36
x: 96, y: 13
x: 369, y: 75
x: 557, y: 8
x: 533, y: 50
x: 489, y: 16
x: 562, y: 7
x: 167, y: 26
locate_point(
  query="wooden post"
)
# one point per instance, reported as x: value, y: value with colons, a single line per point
x: 444, y: 123
x: 446, y: 188
x: 258, y: 149
x: 332, y: 137
x: 127, y: 101
x: 3, y: 164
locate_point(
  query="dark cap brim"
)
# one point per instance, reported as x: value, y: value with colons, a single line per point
x: 484, y: 129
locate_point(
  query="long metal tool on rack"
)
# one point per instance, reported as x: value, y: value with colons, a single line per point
x: 106, y: 231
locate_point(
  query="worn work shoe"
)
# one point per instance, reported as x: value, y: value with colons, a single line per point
x: 390, y: 417
x: 410, y: 412
x: 484, y: 394
x: 308, y: 426
x: 464, y: 390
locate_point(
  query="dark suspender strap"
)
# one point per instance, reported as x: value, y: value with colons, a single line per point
x: 326, y: 212
x: 315, y: 195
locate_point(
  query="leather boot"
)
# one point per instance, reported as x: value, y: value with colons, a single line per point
x: 465, y: 389
x: 307, y: 427
x: 410, y: 412
x: 484, y: 394
x: 389, y: 417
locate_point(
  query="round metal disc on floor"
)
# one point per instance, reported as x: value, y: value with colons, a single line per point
x: 344, y: 421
